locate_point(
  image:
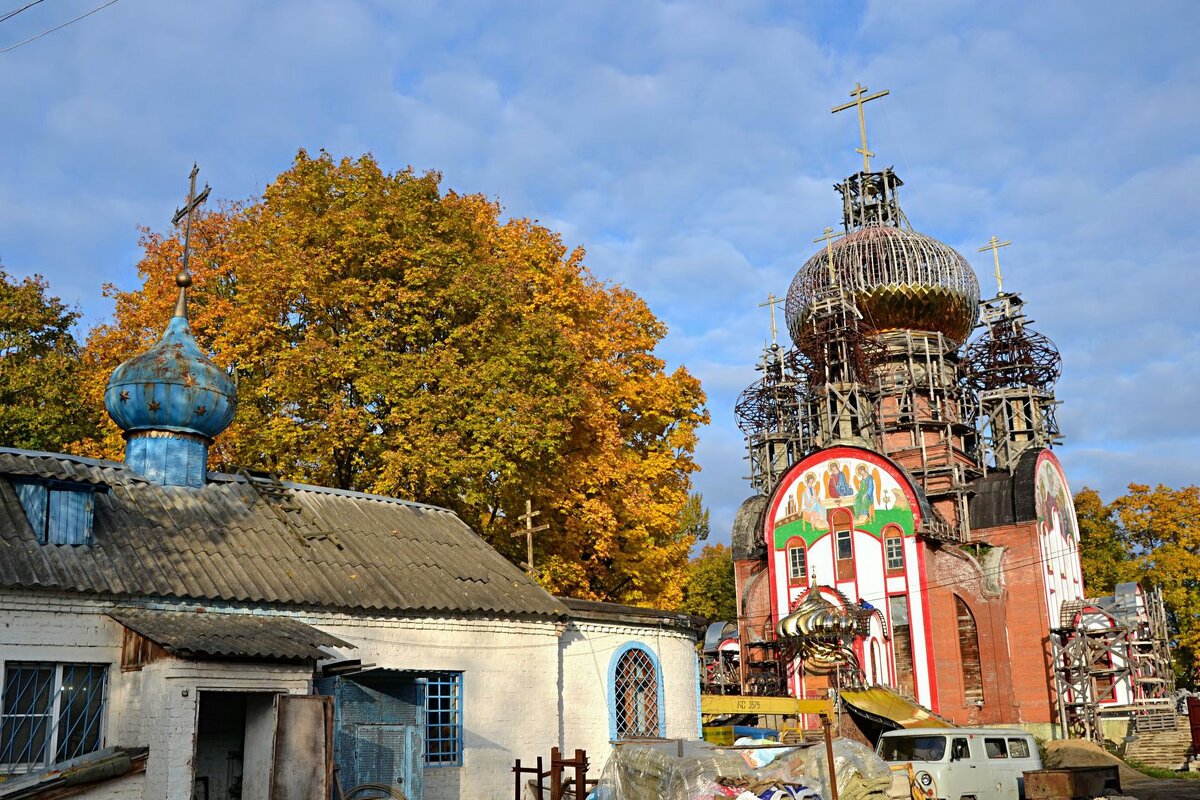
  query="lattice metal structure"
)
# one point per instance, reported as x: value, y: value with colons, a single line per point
x: 769, y: 414
x: 1112, y: 656
x: 897, y: 278
x: 1013, y: 369
x: 869, y: 198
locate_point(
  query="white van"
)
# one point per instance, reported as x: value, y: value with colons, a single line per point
x: 964, y: 763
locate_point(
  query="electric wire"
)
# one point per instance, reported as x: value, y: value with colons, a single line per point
x: 56, y: 27
x: 25, y: 7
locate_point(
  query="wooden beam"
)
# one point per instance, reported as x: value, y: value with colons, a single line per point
x: 750, y: 704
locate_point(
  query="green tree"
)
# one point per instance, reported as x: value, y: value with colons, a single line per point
x: 40, y: 370
x: 710, y: 591
x: 693, y: 518
x: 393, y: 337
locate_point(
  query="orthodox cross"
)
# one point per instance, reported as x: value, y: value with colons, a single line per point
x: 194, y: 201
x: 828, y: 238
x: 994, y: 245
x: 772, y: 301
x: 528, y: 533
x: 857, y: 102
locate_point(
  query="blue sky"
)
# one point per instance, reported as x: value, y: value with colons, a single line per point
x: 688, y: 146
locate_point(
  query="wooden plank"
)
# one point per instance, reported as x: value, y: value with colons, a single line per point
x: 749, y: 704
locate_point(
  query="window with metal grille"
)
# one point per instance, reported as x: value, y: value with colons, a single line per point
x: 443, y: 719
x: 49, y: 713
x: 635, y: 696
x: 797, y: 564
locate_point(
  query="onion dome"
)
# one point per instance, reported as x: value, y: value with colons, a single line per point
x: 898, y: 279
x: 173, y: 386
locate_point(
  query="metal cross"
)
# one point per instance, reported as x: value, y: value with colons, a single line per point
x: 858, y: 101
x: 194, y: 201
x: 994, y: 244
x: 772, y: 301
x: 828, y: 238
x: 528, y: 533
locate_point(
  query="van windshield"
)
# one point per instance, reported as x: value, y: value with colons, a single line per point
x: 912, y: 748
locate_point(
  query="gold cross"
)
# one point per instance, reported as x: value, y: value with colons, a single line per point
x: 772, y: 301
x: 858, y: 101
x: 994, y: 245
x: 828, y: 240
x: 528, y: 533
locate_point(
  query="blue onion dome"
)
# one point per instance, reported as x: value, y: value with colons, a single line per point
x: 173, y: 386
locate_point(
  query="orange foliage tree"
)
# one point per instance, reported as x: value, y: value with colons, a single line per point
x: 392, y: 337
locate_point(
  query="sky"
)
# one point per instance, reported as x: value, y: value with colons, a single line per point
x: 688, y: 146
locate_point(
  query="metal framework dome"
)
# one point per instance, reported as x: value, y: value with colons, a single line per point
x: 898, y: 278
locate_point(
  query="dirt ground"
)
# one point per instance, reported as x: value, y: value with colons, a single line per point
x: 1075, y: 753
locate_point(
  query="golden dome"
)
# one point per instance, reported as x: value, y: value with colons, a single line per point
x: 898, y: 278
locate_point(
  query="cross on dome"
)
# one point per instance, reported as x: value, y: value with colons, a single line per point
x: 857, y: 102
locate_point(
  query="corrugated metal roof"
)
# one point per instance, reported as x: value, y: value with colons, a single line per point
x: 239, y: 539
x: 190, y: 634
x: 632, y: 615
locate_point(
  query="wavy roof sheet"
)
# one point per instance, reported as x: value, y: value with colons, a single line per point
x: 239, y: 539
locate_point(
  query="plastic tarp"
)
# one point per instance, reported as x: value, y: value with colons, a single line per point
x: 885, y: 704
x: 701, y: 771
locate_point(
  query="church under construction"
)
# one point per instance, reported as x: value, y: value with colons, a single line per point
x: 910, y: 526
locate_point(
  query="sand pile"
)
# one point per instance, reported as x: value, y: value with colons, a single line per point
x: 1080, y: 753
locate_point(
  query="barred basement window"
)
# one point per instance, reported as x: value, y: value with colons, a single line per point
x: 635, y: 696
x: 50, y: 713
x: 443, y: 720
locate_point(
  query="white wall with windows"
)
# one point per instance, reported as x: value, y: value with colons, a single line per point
x: 624, y: 681
x: 496, y: 690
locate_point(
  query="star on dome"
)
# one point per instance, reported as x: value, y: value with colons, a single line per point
x: 124, y: 396
x: 153, y: 405
x: 201, y: 411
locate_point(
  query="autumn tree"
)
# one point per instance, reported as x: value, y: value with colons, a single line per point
x: 1102, y: 546
x: 393, y: 337
x: 40, y: 375
x: 1150, y: 536
x: 710, y: 591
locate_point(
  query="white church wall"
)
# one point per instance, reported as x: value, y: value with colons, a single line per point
x: 588, y: 652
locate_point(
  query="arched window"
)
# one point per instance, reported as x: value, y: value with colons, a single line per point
x: 893, y: 548
x: 797, y: 562
x: 843, y: 542
x: 968, y: 653
x: 637, y: 694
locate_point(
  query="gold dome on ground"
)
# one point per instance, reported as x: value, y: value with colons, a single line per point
x: 898, y: 278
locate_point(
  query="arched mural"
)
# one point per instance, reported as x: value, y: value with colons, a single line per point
x: 847, y: 518
x: 1058, y: 535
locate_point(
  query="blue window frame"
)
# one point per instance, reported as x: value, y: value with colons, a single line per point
x: 50, y: 713
x: 60, y: 512
x: 636, y: 709
x: 443, y: 719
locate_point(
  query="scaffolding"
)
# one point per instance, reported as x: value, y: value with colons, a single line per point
x: 1013, y: 370
x: 768, y: 414
x: 1112, y: 656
